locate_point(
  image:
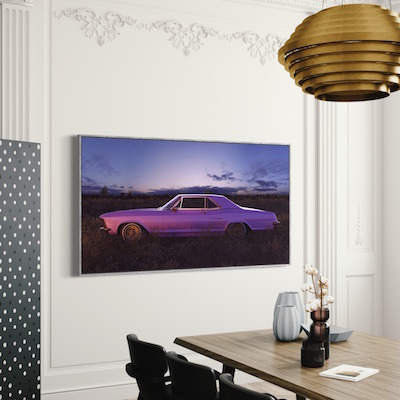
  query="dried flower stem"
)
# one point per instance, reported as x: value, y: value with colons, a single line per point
x: 319, y: 288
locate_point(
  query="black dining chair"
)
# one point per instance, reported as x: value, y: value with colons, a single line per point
x: 191, y: 381
x: 149, y: 367
x: 230, y: 391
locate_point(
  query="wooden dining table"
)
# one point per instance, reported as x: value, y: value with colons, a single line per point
x: 258, y: 353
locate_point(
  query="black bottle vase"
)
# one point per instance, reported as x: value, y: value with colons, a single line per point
x: 319, y: 329
x: 312, y: 354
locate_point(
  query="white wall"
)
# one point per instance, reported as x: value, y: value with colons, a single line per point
x: 358, y: 221
x: 139, y: 85
x: 391, y: 217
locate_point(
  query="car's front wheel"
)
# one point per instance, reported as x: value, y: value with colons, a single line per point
x: 237, y: 231
x: 132, y: 232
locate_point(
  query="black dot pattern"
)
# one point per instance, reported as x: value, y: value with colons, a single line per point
x: 19, y: 270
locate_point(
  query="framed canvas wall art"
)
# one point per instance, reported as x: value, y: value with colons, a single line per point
x: 160, y: 205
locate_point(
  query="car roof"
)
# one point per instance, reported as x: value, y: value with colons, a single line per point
x: 199, y: 195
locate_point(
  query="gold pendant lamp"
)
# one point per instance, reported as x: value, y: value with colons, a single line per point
x: 346, y: 53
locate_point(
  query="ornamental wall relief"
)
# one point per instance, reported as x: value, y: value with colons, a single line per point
x: 185, y: 38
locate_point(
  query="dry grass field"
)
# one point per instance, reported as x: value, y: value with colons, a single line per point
x: 103, y: 253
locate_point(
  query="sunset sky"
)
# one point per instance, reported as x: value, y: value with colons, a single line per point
x: 166, y: 166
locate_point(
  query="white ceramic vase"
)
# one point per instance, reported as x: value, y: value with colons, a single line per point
x: 291, y: 299
x: 286, y: 323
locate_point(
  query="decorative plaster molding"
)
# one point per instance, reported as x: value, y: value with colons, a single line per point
x: 18, y: 2
x: 260, y: 48
x: 102, y: 28
x: 188, y: 39
x: 358, y: 240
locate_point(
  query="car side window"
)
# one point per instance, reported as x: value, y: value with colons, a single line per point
x: 192, y: 202
x: 210, y: 204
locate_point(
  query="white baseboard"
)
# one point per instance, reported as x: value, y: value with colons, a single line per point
x: 121, y: 392
x: 98, y: 383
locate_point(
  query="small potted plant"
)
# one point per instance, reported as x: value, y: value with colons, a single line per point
x: 317, y: 286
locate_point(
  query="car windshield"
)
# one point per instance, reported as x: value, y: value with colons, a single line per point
x: 169, y: 204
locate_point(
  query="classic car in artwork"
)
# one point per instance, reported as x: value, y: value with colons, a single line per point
x: 189, y: 215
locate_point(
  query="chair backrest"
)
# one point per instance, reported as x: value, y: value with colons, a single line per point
x: 191, y: 381
x: 230, y: 391
x: 148, y: 366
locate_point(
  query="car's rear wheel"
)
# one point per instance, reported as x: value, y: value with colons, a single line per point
x: 237, y: 231
x: 132, y: 232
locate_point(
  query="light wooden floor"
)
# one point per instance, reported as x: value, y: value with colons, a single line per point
x: 265, y: 387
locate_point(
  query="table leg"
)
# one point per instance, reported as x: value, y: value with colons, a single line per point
x: 229, y: 370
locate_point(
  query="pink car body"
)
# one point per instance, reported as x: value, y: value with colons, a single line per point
x: 189, y: 215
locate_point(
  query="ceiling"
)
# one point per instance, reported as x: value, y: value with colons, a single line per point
x: 317, y: 5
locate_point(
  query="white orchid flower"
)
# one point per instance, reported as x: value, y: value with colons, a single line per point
x: 318, y: 287
x: 330, y: 299
x: 313, y: 306
x: 323, y: 280
x: 304, y: 287
x: 308, y: 269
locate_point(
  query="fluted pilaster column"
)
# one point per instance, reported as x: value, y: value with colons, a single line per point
x: 327, y: 197
x: 15, y: 63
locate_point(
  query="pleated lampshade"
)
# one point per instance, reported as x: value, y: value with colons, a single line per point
x: 346, y: 53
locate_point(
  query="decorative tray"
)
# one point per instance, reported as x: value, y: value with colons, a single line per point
x: 337, y: 334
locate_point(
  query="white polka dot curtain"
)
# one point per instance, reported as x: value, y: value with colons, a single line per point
x: 19, y: 270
